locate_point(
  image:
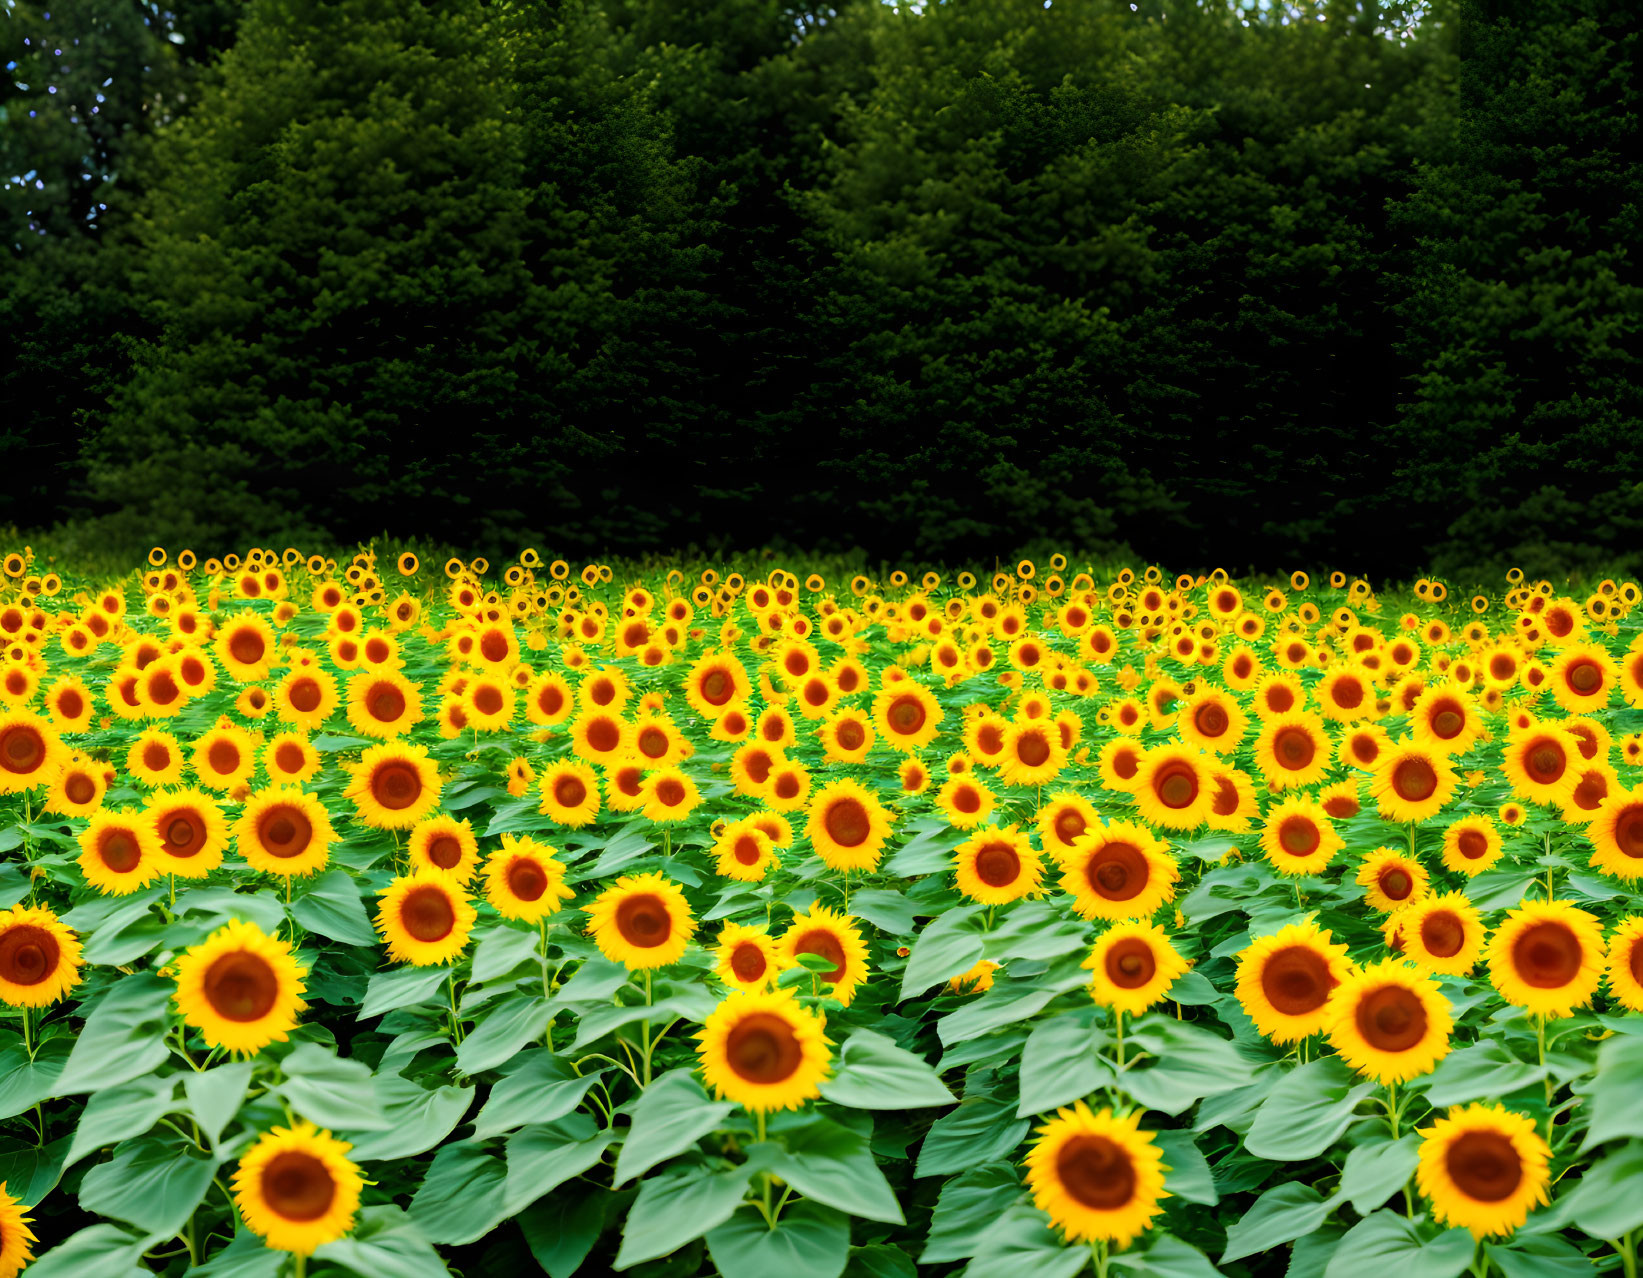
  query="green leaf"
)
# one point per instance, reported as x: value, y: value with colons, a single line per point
x: 949, y: 944
x: 105, y: 1250
x: 1619, y: 1082
x: 1307, y: 1111
x: 691, y: 1003
x: 929, y: 850
x: 981, y: 1129
x: 878, y: 1260
x: 154, y: 1184
x: 462, y: 1198
x: 1498, y: 889
x: 966, y: 1209
x: 834, y: 1164
x: 23, y: 1081
x: 517, y: 1019
x: 1482, y: 1071
x: 539, y: 1087
x: 1060, y: 1063
x: 1020, y: 1242
x: 544, y: 1156
x: 120, y: 938
x: 247, y: 1256
x: 1189, y: 1177
x: 1547, y: 1256
x: 1008, y: 1002
x: 403, y: 986
x: 122, y: 1037
x: 670, y: 1117
x: 1280, y: 1215
x: 595, y: 982
x: 1193, y: 989
x: 502, y: 949
x: 1385, y: 1243
x: 14, y: 884
x: 1377, y: 1169
x: 1166, y: 1256
x: 1187, y: 1063
x: 679, y: 1206
x: 215, y: 1096
x: 121, y: 1112
x: 417, y: 1119
x: 873, y: 1073
x: 1309, y: 1257
x: 330, y: 1091
x: 561, y: 1230
x: 1606, y: 1203
x: 888, y: 911
x: 809, y: 1241
x: 30, y: 1172
x: 385, y: 1243
x: 331, y: 907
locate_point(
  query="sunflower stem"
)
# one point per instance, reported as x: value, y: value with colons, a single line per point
x: 1098, y: 1249
x: 644, y: 1031
x: 1628, y: 1254
x: 1392, y: 1108
x: 1540, y: 1043
x: 301, y: 1262
x: 1118, y: 1021
x: 456, y: 1020
x: 28, y: 1041
x: 173, y: 879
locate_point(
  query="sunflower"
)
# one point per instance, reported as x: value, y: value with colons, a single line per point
x: 155, y: 758
x: 549, y: 700
x: 1063, y: 819
x: 1361, y: 745
x: 1442, y: 934
x: 15, y: 1236
x: 1594, y: 782
x: 1412, y: 783
x: 284, y: 831
x: 975, y: 979
x: 658, y: 742
x: 747, y: 956
x: 984, y: 736
x: 29, y: 751
x: 1547, y: 957
x: 847, y: 826
x: 78, y: 788
x: 1539, y: 762
x: 224, y: 756
x: 670, y: 796
x: 1127, y: 715
x: 1390, y: 1021
x: 1279, y: 693
x: 1623, y: 964
x: 764, y: 1050
x: 744, y: 852
x: 524, y: 880
x: 1583, y: 678
x: 425, y: 918
x: 160, y: 693
x: 997, y: 866
x: 1444, y: 720
x: 1232, y: 806
x: 1298, y: 836
x: 834, y: 937
x: 191, y: 832
x: 624, y: 784
x: 907, y: 715
x: 1340, y: 800
x: 1617, y: 834
x: 296, y: 1188
x: 846, y: 737
x: 1033, y: 753
x: 570, y: 793
x: 383, y: 704
x: 1346, y: 693
x: 1119, y: 871
x: 393, y: 786
x: 1483, y: 1168
x: 1391, y: 880
x: 1471, y: 845
x: 444, y: 845
x: 715, y: 682
x: 913, y: 776
x: 119, y: 852
x: 1173, y: 787
x: 598, y: 735
x: 1285, y: 980
x: 1292, y: 749
x: 241, y: 988
x: 642, y: 920
x: 751, y: 766
x: 1119, y: 765
x: 244, y: 647
x: 1098, y: 1176
x: 39, y: 957
x: 289, y: 758
x: 1211, y: 720
x: 1134, y: 965
x: 306, y: 697
x: 776, y: 728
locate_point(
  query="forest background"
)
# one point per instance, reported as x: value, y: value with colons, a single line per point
x: 1336, y: 284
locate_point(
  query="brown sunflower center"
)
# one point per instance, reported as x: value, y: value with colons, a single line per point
x: 223, y: 758
x: 652, y: 742
x: 1299, y: 836
x: 1117, y: 871
x: 527, y: 880
x: 1628, y: 830
x: 716, y: 687
x: 850, y: 735
x: 119, y: 850
x: 241, y: 986
x: 494, y: 647
x: 1130, y: 963
x: 1225, y: 802
x: 1584, y: 676
x: 787, y: 785
x: 1391, y: 1018
x: 445, y: 851
x: 1396, y: 883
x: 297, y: 1186
x: 758, y: 767
x: 1544, y: 761
x: 1069, y: 825
x: 1294, y: 748
x: 79, y: 788
x: 569, y: 791
x: 28, y: 954
x: 396, y: 786
x: 1347, y: 692
x: 1210, y: 720
x: 1446, y: 720
x: 822, y: 942
x: 488, y: 699
x: 1547, y: 955
x: 1096, y: 1172
x: 284, y: 830
x: 967, y: 799
x: 1296, y: 980
x: 643, y: 920
x: 304, y: 695
x: 762, y: 1048
x: 246, y: 647
x: 22, y: 749
x: 1472, y: 844
x: 1484, y: 1166
x: 998, y: 865
x: 847, y: 822
x: 1443, y: 933
x: 1414, y: 780
x: 427, y: 914
x: 603, y: 736
x: 1033, y: 750
x: 1176, y: 785
x: 747, y: 961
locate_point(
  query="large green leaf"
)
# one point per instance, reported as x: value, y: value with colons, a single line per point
x: 966, y: 1209
x: 331, y: 907
x: 104, y: 1250
x: 517, y: 1019
x: 121, y: 1112
x: 809, y: 1241
x: 1022, y: 1241
x: 1386, y: 1243
x: 502, y: 949
x: 561, y: 1230
x: 1607, y: 1202
x: 247, y: 1256
x: 1280, y: 1215
x: 122, y: 1037
x: 873, y: 1073
x: 1165, y: 1256
x: 833, y: 1164
x: 981, y: 1129
x: 1483, y: 1071
x: 539, y: 1087
x: 385, y: 1243
x: 672, y: 1115
x: 153, y: 1183
x: 29, y: 1171
x: 1547, y: 1256
x: 463, y: 1196
x: 26, y: 1080
x: 1009, y: 1001
x: 544, y: 1156
x: 1184, y: 1063
x: 1614, y: 1109
x: 215, y: 1096
x: 1307, y: 1111
x: 402, y: 986
x: 418, y: 1118
x: 332, y: 1091
x: 1060, y: 1062
x: 678, y: 1206
x: 1377, y: 1169
x: 1188, y: 1176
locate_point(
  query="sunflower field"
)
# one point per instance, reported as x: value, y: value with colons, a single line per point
x: 362, y: 918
